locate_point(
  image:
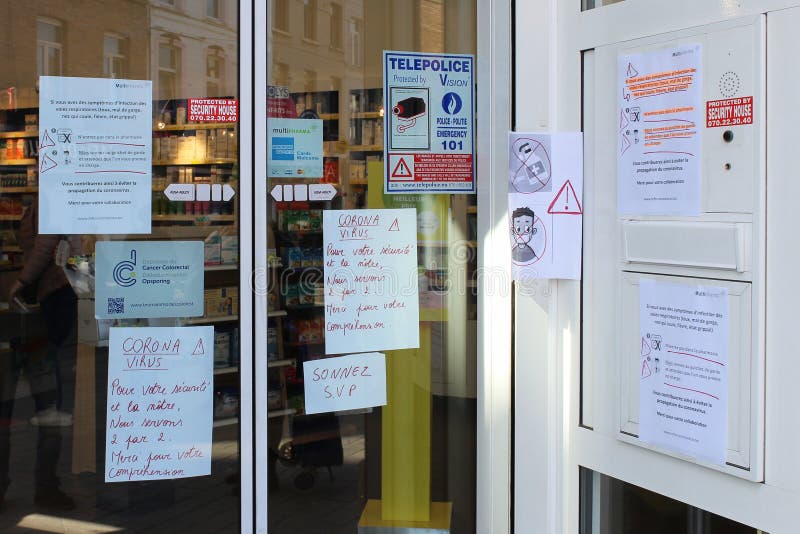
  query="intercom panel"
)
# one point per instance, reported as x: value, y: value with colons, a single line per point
x: 675, y: 197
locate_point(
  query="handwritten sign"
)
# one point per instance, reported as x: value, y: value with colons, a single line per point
x: 160, y: 403
x: 371, y: 282
x: 345, y: 383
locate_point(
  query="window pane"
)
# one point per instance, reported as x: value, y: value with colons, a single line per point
x: 310, y: 19
x: 212, y: 67
x: 48, y: 32
x: 166, y: 85
x: 56, y: 422
x: 281, y: 15
x: 212, y: 8
x: 53, y: 61
x: 167, y: 57
x: 336, y: 26
x: 415, y: 459
x: 611, y: 506
x: 591, y: 4
x: 111, y: 45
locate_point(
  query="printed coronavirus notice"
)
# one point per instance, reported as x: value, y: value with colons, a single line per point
x: 95, y: 155
x: 683, y: 365
x: 429, y: 119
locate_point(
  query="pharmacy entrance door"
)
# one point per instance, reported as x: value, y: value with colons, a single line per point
x: 369, y: 267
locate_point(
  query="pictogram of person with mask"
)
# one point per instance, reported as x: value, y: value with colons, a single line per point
x: 522, y: 231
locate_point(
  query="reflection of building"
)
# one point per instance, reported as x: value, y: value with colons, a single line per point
x: 312, y: 33
x: 188, y: 48
x: 193, y: 46
x: 93, y: 38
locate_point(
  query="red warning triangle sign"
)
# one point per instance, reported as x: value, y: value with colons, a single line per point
x: 46, y: 163
x: 395, y: 227
x: 646, y: 372
x: 199, y: 350
x: 566, y: 201
x: 46, y: 141
x: 623, y: 119
x: 401, y: 170
x: 645, y: 347
x: 626, y: 143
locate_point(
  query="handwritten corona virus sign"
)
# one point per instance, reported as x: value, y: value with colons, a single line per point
x: 160, y: 403
x: 371, y: 282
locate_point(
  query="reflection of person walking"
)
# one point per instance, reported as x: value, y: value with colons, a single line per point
x: 58, y: 305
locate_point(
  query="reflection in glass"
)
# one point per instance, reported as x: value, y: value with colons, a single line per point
x: 415, y: 458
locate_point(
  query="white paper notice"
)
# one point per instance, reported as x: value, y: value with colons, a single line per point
x: 371, y: 281
x: 95, y: 155
x: 160, y: 403
x: 683, y: 393
x: 658, y: 144
x: 345, y: 383
x: 545, y: 218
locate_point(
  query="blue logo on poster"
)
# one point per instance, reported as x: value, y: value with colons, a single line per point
x: 451, y: 103
x: 124, y: 274
x: 283, y: 148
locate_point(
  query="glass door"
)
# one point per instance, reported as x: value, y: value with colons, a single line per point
x: 120, y: 328
x: 371, y: 231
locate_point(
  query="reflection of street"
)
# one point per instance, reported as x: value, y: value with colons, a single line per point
x: 209, y: 504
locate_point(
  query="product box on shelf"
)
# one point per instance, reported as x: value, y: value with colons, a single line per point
x: 306, y: 331
x: 222, y: 301
x: 229, y: 249
x: 186, y: 148
x: 226, y: 401
x: 31, y: 122
x: 213, y: 249
x: 200, y: 145
x: 235, y: 346
x: 222, y: 349
x: 91, y: 330
x: 307, y: 221
x: 273, y: 400
x: 272, y: 343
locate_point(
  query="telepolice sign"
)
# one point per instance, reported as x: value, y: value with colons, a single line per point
x: 429, y: 123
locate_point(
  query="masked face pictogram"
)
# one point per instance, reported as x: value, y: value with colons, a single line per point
x: 522, y: 231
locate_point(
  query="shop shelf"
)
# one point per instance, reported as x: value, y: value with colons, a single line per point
x: 18, y: 162
x: 279, y: 363
x: 304, y: 343
x: 18, y: 135
x: 231, y: 267
x: 366, y: 115
x: 192, y: 218
x: 211, y: 320
x: 8, y: 190
x: 217, y: 161
x: 281, y: 413
x: 226, y: 422
x: 226, y: 370
x: 195, y: 126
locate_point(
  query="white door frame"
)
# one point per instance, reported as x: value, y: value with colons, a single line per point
x: 548, y: 424
x: 261, y: 273
x: 246, y: 225
x: 494, y: 300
